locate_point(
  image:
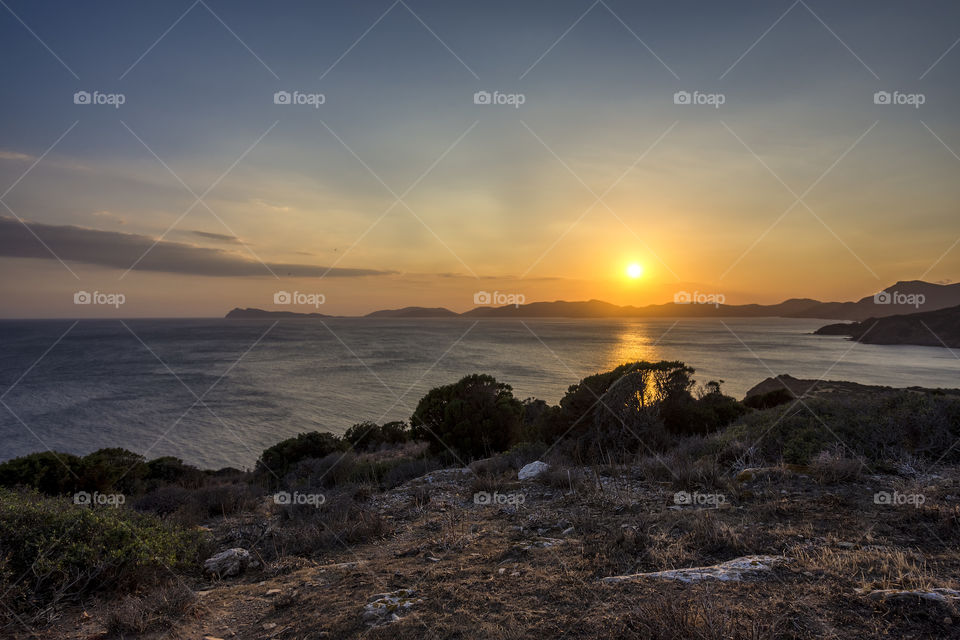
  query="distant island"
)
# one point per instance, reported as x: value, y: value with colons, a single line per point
x: 940, y: 328
x: 903, y: 297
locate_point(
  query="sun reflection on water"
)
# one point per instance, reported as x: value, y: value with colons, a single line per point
x: 635, y: 341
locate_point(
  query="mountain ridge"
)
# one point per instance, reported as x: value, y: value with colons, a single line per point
x: 900, y: 298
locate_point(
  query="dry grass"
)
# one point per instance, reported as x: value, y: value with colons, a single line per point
x: 833, y: 467
x: 703, y: 618
x: 162, y: 607
x: 873, y: 568
x: 484, y: 572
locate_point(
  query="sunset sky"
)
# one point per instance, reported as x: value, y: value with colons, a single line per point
x: 399, y: 190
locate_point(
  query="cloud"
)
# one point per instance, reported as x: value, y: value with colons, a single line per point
x: 110, y: 215
x: 121, y: 250
x: 271, y: 207
x: 219, y: 237
x: 15, y: 155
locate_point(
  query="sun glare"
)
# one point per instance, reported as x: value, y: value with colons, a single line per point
x: 634, y: 271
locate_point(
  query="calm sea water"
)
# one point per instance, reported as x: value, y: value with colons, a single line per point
x: 137, y: 385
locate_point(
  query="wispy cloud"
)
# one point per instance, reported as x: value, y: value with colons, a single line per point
x: 16, y: 156
x: 110, y: 215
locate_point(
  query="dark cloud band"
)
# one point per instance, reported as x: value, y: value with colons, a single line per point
x: 121, y: 250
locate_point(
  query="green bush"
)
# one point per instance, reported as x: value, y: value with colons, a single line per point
x: 49, y: 472
x: 62, y: 550
x: 706, y: 414
x: 874, y: 425
x: 168, y: 470
x: 474, y: 417
x: 369, y: 436
x: 649, y: 384
x: 104, y: 470
x: 281, y: 457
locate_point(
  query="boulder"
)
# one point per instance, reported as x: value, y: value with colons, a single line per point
x: 532, y: 470
x: 231, y: 562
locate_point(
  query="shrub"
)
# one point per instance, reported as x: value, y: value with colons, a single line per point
x: 103, y: 470
x: 474, y: 417
x: 369, y: 436
x: 49, y: 472
x: 329, y: 471
x: 63, y: 550
x: 879, y: 425
x: 163, y: 501
x: 223, y: 499
x: 637, y: 387
x: 168, y: 470
x: 280, y: 458
x: 337, y: 523
x: 112, y: 469
x: 706, y: 414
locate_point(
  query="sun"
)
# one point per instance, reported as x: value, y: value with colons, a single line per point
x: 634, y: 271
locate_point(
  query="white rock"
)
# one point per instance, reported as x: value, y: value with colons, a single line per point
x: 231, y: 562
x: 532, y: 470
x: 732, y: 570
x: 937, y: 594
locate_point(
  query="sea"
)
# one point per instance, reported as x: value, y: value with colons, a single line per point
x: 216, y: 392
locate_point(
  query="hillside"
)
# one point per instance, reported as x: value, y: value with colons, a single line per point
x: 413, y: 312
x: 930, y: 328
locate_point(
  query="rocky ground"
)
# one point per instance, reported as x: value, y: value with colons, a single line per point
x: 603, y: 552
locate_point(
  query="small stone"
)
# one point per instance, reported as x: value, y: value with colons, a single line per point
x: 532, y: 470
x: 269, y: 626
x: 231, y: 562
x: 501, y: 570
